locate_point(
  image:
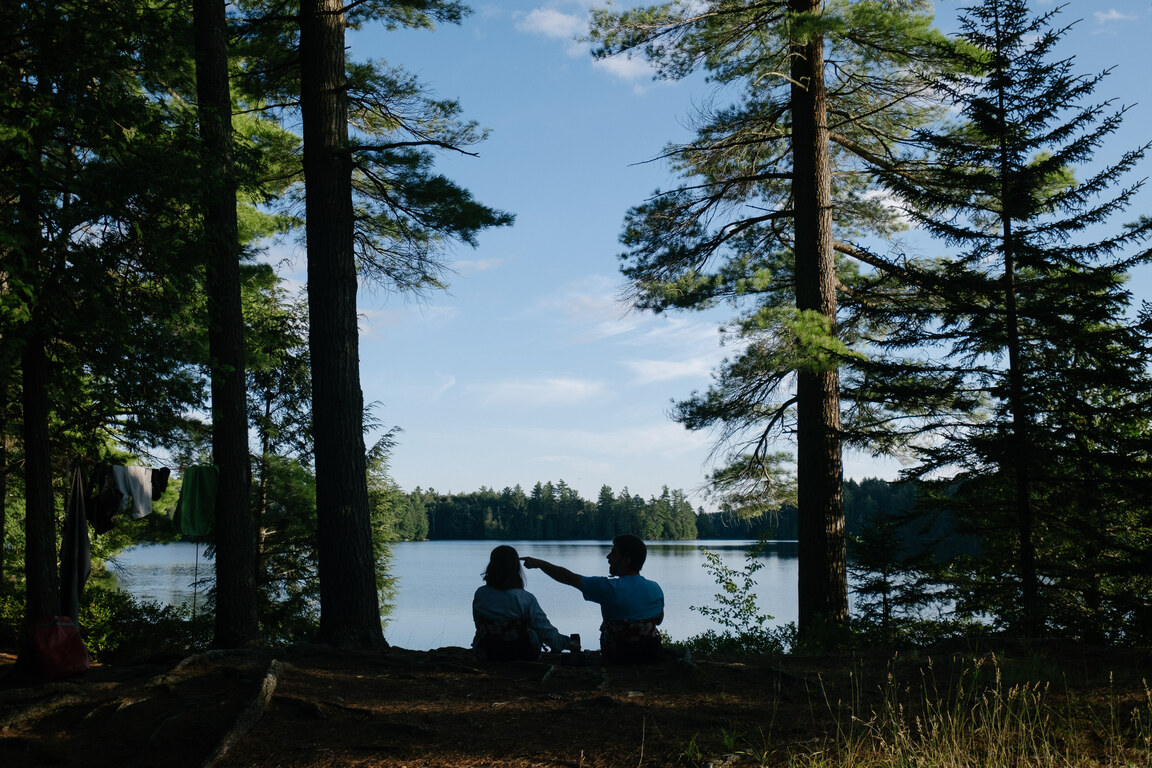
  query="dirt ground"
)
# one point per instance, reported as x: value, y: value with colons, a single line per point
x: 310, y: 706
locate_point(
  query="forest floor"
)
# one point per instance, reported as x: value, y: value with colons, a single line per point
x: 311, y: 706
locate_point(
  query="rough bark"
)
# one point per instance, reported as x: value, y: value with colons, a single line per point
x: 5, y: 391
x: 823, y: 589
x: 235, y: 537
x: 42, y: 586
x: 349, y: 603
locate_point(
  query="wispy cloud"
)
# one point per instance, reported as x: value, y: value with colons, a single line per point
x: 1111, y: 15
x: 628, y: 68
x: 570, y: 27
x: 472, y: 266
x: 660, y: 438
x: 550, y: 22
x: 592, y: 307
x: 651, y: 371
x: 447, y: 381
x: 692, y: 348
x: 373, y: 322
x: 679, y: 332
x: 544, y: 391
x: 669, y: 347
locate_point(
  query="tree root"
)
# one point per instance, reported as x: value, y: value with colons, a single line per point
x: 61, y: 695
x: 251, y: 714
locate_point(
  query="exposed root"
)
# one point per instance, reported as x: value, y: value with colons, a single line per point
x: 251, y: 714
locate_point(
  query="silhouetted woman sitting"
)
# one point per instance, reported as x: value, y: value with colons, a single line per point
x: 509, y: 623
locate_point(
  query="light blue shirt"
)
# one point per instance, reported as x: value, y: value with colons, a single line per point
x: 517, y: 604
x: 624, y: 598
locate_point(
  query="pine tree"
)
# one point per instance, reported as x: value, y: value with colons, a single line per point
x: 1027, y: 316
x: 99, y: 294
x: 374, y: 210
x: 775, y: 186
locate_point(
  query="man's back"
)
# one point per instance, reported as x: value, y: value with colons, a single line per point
x: 624, y: 598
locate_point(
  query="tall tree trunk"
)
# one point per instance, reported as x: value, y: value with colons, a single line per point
x: 235, y: 536
x: 42, y: 587
x: 1021, y: 460
x: 349, y: 603
x: 823, y: 584
x: 5, y: 392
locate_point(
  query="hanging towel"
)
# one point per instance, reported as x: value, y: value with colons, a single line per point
x: 75, y: 550
x: 136, y: 485
x: 104, y: 502
x: 196, y: 509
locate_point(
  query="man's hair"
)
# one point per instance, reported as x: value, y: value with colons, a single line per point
x: 633, y: 548
x: 503, y: 571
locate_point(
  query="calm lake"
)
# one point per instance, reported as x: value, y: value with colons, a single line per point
x: 436, y: 579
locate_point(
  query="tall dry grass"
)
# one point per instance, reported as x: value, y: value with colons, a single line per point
x: 976, y: 719
x: 970, y: 716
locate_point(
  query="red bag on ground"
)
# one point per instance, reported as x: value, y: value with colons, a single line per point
x: 61, y: 652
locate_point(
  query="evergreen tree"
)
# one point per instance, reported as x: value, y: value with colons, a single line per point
x: 98, y: 296
x: 552, y: 512
x: 412, y: 518
x: 514, y: 502
x: 893, y: 580
x: 753, y: 224
x: 605, y: 502
x: 381, y: 196
x: 1030, y: 315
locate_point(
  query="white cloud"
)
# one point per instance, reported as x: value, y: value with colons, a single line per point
x: 552, y: 23
x: 594, y: 309
x: 662, y: 439
x: 558, y: 25
x: 472, y: 266
x: 372, y: 322
x: 680, y: 333
x: 447, y: 381
x: 693, y: 346
x: 627, y: 68
x: 593, y: 306
x: 651, y: 371
x: 1104, y: 17
x: 545, y: 391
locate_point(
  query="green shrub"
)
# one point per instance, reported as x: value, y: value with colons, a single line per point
x: 736, y: 607
x: 737, y: 611
x: 11, y: 615
x: 759, y: 642
x: 115, y: 624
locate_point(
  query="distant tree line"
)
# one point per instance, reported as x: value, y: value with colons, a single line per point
x: 552, y: 511
x: 556, y: 511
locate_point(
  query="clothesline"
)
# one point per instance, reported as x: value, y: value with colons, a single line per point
x: 114, y: 490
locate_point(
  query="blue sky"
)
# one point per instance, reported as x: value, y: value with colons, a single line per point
x: 529, y: 368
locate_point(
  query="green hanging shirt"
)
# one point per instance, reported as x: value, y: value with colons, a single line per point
x: 196, y: 509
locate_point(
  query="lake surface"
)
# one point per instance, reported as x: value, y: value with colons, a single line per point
x: 436, y: 579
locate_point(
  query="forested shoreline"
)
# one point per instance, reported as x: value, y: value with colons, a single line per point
x: 557, y: 512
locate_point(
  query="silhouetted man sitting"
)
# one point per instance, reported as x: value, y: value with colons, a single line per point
x: 631, y: 606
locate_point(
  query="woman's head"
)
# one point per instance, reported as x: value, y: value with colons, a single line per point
x: 503, y: 571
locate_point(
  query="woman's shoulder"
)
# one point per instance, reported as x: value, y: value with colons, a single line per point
x: 512, y: 593
x: 485, y: 592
